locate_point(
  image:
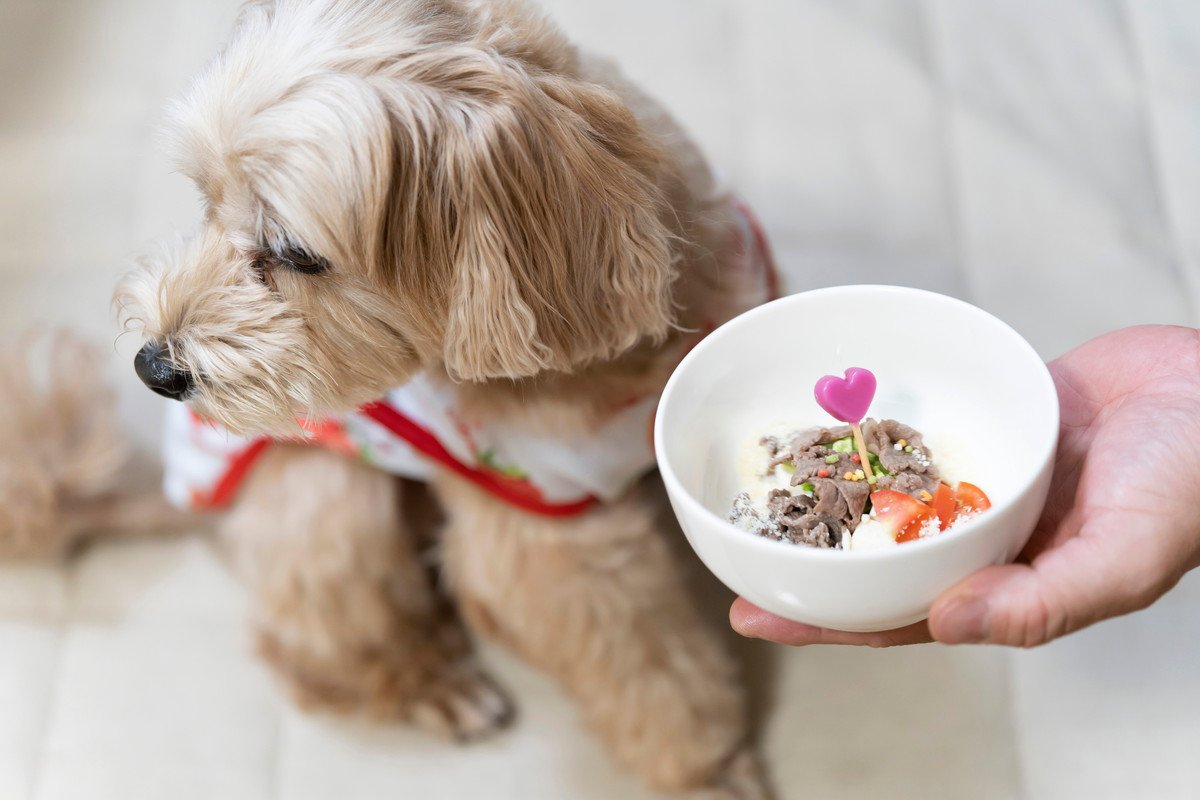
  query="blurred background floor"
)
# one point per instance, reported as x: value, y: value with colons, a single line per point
x: 1041, y: 160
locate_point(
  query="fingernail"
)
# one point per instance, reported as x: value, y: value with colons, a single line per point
x: 965, y: 621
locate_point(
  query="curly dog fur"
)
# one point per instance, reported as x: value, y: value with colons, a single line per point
x: 481, y: 202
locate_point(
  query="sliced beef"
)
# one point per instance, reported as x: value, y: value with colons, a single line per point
x: 911, y: 483
x: 881, y: 437
x: 800, y: 522
x: 800, y: 443
x: 812, y: 462
x: 841, y: 499
x: 814, y: 531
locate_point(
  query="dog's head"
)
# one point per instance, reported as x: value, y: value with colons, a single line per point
x: 394, y: 185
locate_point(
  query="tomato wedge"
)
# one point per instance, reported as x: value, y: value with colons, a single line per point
x: 944, y: 505
x: 971, y: 500
x: 902, y: 515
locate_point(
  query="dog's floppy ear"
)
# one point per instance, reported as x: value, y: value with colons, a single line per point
x: 559, y: 254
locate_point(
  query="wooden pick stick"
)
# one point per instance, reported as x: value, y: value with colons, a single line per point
x: 863, y: 455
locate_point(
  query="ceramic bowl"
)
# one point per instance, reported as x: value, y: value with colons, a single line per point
x: 979, y: 393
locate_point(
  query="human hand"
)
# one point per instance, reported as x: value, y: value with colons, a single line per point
x: 1120, y: 526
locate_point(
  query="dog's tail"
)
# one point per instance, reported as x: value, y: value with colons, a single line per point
x: 67, y: 473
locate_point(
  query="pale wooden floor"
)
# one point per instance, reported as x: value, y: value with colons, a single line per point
x: 1042, y: 160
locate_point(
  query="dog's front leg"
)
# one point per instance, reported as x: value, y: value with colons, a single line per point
x: 598, y: 602
x: 343, y: 609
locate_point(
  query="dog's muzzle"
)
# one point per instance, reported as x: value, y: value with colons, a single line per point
x: 156, y: 371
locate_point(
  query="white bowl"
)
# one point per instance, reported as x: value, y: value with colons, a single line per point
x: 969, y: 382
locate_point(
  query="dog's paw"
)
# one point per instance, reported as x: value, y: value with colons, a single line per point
x: 463, y: 705
x: 741, y: 778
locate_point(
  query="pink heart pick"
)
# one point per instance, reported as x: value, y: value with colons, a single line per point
x: 847, y: 399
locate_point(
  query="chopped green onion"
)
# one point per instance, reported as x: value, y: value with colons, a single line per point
x: 807, y: 487
x: 831, y: 459
x: 877, y: 466
x: 845, y: 445
x: 788, y: 467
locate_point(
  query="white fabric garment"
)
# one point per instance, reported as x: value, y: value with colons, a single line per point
x: 562, y: 469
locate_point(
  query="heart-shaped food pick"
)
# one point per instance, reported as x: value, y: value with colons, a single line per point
x: 848, y: 399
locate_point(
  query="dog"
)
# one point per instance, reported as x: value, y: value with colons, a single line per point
x: 447, y: 194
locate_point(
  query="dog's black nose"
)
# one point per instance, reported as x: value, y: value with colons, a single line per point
x: 157, y: 372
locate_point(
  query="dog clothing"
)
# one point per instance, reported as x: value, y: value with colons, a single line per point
x: 416, y: 428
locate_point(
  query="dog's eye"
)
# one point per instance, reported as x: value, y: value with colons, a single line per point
x: 303, y: 261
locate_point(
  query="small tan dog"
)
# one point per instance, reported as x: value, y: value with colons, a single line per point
x: 447, y: 188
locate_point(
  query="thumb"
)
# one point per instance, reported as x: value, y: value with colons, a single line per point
x: 1064, y: 589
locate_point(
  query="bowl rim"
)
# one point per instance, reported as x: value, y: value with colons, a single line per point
x: 741, y: 538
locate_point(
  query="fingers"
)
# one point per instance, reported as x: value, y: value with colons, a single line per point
x: 1110, y: 568
x: 1009, y: 605
x: 751, y: 621
x: 1065, y: 589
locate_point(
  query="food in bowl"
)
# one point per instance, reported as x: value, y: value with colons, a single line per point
x: 812, y: 488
